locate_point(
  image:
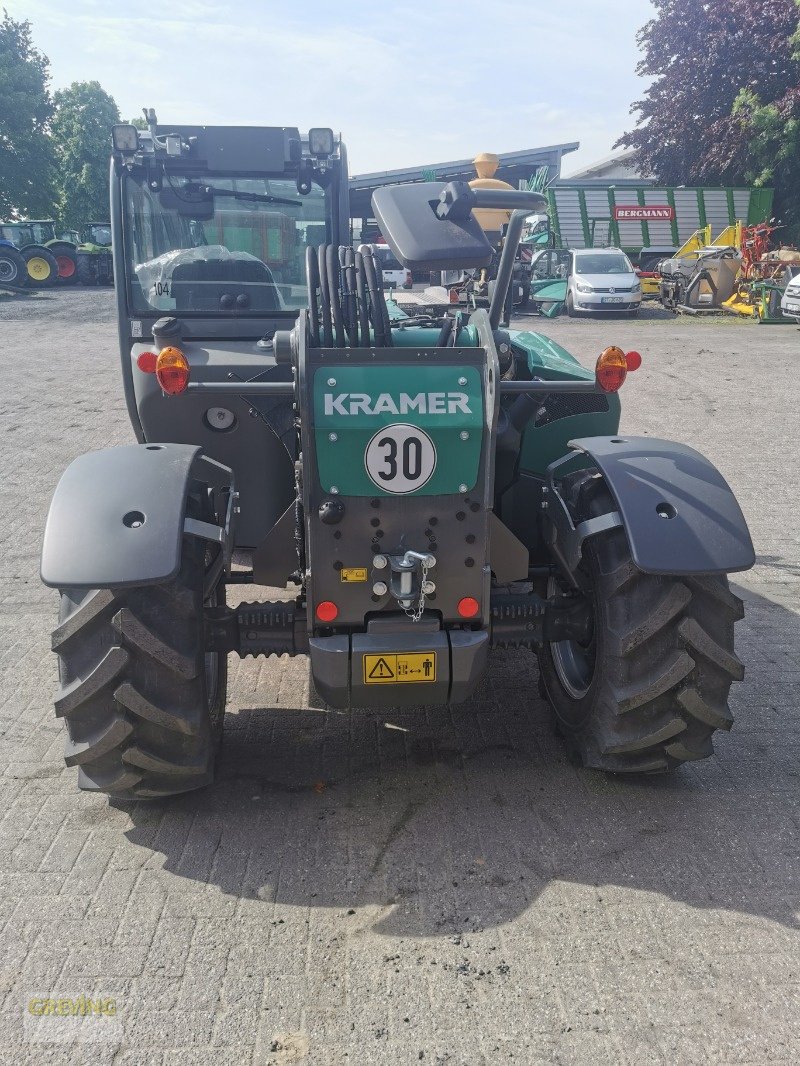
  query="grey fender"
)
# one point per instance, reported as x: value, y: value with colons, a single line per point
x: 678, y: 512
x: 118, y: 516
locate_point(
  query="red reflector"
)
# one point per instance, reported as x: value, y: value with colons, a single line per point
x: 172, y: 370
x: 146, y: 361
x: 327, y: 611
x: 468, y: 607
x: 633, y: 360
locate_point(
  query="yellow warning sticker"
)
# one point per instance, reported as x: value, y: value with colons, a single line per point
x: 353, y: 573
x: 393, y: 667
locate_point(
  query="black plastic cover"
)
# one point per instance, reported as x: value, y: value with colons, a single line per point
x: 117, y: 517
x: 237, y: 149
x: 678, y: 511
x: 406, y: 216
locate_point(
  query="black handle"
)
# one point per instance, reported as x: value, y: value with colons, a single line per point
x: 457, y: 199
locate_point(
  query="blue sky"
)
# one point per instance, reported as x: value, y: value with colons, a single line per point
x: 406, y: 82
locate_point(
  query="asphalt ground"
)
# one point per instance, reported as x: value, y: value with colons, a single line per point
x: 441, y: 887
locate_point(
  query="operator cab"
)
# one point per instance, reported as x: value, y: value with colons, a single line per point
x: 215, y: 220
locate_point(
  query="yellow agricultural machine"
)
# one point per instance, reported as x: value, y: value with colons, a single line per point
x: 702, y: 273
x: 735, y: 272
x: 763, y: 276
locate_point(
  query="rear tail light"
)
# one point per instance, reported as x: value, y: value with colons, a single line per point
x: 633, y: 361
x: 454, y: 296
x: 327, y: 611
x: 468, y: 607
x: 172, y: 371
x: 611, y: 368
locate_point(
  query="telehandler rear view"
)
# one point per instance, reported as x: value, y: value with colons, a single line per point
x: 429, y: 488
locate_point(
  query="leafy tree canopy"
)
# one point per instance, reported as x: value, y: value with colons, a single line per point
x: 25, y: 110
x: 723, y: 106
x: 81, y: 124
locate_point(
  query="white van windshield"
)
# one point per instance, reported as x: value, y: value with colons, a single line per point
x: 602, y: 264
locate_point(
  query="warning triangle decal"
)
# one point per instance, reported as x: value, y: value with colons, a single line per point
x: 381, y: 669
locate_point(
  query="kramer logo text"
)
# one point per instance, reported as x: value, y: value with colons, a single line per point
x: 430, y: 403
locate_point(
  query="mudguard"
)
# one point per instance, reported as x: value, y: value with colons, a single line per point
x: 677, y: 510
x: 118, y: 516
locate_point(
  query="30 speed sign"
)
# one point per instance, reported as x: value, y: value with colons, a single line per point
x: 400, y: 458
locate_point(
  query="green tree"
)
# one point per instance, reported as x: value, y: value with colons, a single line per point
x: 723, y: 104
x: 761, y: 143
x: 81, y: 129
x: 26, y: 175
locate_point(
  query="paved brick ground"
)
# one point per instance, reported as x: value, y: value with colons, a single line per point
x: 441, y: 888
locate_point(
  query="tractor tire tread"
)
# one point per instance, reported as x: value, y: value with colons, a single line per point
x: 667, y: 666
x: 133, y: 686
x: 92, y: 607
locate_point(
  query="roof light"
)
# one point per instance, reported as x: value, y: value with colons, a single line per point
x: 172, y: 371
x: 611, y: 368
x: 320, y: 142
x: 125, y: 137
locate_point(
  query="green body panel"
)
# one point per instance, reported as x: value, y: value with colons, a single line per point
x: 547, y: 359
x: 549, y: 290
x: 341, y: 460
x: 542, y: 445
x: 56, y: 240
x: 760, y: 206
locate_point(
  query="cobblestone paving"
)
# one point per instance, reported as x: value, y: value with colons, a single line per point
x: 443, y: 887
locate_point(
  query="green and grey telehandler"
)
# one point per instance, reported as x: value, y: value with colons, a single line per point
x: 429, y: 489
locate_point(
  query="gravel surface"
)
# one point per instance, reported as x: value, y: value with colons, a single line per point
x: 444, y: 887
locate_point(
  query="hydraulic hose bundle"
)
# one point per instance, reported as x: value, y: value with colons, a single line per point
x: 346, y: 307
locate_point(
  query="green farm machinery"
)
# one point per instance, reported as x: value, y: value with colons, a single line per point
x: 426, y: 487
x: 47, y: 259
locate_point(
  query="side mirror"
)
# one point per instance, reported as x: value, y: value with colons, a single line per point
x: 421, y: 239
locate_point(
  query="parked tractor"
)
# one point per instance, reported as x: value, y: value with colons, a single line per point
x: 95, y: 262
x: 13, y: 272
x: 428, y: 488
x: 49, y: 260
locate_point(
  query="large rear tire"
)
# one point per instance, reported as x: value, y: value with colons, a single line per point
x: 12, y: 267
x: 142, y: 700
x: 66, y: 256
x: 650, y: 689
x: 41, y: 266
x: 87, y: 269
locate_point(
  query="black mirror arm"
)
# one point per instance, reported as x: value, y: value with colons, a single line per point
x: 457, y: 199
x: 506, y: 266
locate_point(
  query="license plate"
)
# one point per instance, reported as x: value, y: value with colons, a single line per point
x: 391, y: 668
x: 611, y: 300
x: 792, y: 307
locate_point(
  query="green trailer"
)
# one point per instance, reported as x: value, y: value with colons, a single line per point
x: 647, y: 221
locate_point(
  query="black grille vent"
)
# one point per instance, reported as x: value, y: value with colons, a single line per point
x: 556, y: 407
